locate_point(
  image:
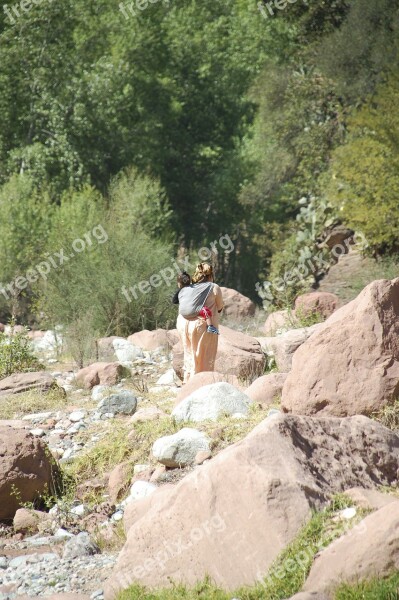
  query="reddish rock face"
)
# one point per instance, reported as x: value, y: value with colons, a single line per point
x: 323, y: 303
x: 370, y: 549
x: 236, y: 305
x: 100, y: 374
x: 26, y: 470
x: 151, y: 340
x: 350, y: 365
x: 238, y: 354
x: 24, y: 382
x: 267, y: 389
x: 232, y: 516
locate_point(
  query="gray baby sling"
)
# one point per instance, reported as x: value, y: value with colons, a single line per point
x: 192, y: 299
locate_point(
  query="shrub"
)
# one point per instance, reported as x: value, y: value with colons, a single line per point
x: 16, y: 355
x: 95, y: 283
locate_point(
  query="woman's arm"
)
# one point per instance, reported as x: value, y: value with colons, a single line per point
x: 219, y: 298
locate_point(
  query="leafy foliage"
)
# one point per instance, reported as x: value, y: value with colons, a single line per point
x: 16, y: 355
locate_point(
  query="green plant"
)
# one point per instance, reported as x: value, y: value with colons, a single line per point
x: 373, y: 589
x: 388, y: 415
x: 16, y: 355
x: 287, y: 574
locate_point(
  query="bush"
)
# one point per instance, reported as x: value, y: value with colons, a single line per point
x: 16, y: 355
x: 363, y: 182
x: 25, y: 215
x: 97, y: 284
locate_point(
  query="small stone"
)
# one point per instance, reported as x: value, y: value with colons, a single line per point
x: 3, y: 562
x: 348, y: 513
x: 158, y: 474
x: 202, y: 456
x: 117, y: 516
x: 140, y: 468
x: 38, y: 432
x: 77, y: 415
x: 141, y: 489
x: 273, y: 411
x: 79, y: 510
x: 80, y: 545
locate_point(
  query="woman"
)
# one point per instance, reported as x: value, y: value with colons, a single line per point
x: 199, y: 346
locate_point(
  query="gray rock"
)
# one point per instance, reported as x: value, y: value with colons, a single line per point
x: 121, y: 403
x: 77, y: 415
x: 80, y: 545
x: 211, y: 402
x: 126, y: 352
x: 180, y: 449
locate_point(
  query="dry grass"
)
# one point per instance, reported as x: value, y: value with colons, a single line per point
x: 17, y: 405
x: 122, y: 441
x: 250, y: 325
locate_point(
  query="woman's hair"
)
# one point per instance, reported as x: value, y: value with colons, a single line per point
x: 184, y: 279
x: 203, y: 272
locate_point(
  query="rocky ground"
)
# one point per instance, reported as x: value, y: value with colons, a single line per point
x: 124, y: 430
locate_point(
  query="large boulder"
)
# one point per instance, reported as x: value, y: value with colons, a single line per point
x: 101, y: 373
x: 212, y: 402
x: 322, y: 303
x: 181, y: 448
x: 236, y: 305
x: 370, y: 550
x: 350, y: 365
x: 237, y: 512
x: 285, y: 345
x: 205, y: 378
x: 154, y: 340
x: 26, y: 470
x: 267, y: 390
x: 26, y: 382
x: 238, y: 354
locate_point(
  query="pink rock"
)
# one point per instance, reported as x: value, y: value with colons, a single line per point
x: 370, y: 549
x: 323, y: 303
x: 119, y: 480
x: 255, y: 494
x: 266, y: 390
x: 24, y: 382
x: 101, y: 373
x: 236, y: 305
x: 238, y: 354
x: 152, y: 340
x: 350, y: 365
x: 25, y: 466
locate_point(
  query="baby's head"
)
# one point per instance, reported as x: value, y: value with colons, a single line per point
x: 183, y: 279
